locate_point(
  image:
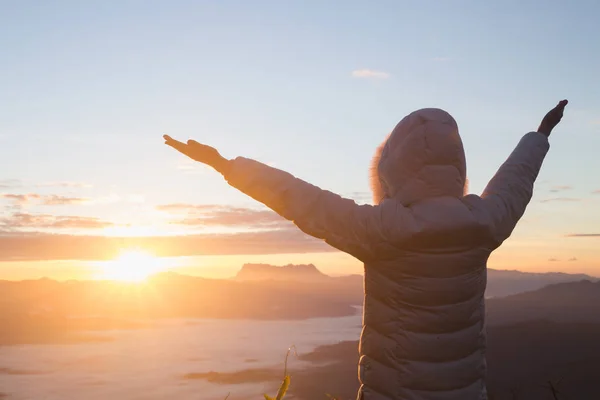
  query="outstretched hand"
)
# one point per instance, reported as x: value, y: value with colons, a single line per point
x: 552, y: 118
x: 199, y: 152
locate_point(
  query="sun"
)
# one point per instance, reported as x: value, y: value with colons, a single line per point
x: 131, y: 266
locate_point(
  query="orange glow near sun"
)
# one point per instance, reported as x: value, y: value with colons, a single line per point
x: 131, y: 266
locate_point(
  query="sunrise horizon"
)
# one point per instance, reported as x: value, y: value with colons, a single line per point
x: 229, y: 199
x: 136, y: 265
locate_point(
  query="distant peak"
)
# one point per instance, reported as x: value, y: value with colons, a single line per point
x: 301, y: 272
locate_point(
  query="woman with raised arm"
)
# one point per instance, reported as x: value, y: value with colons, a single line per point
x: 425, y: 244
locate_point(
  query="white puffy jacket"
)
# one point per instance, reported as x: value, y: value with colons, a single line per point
x: 424, y: 244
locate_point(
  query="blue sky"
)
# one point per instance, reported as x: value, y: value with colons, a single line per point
x: 311, y: 87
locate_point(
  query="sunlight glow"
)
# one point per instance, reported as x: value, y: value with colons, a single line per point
x: 131, y: 266
x: 132, y: 231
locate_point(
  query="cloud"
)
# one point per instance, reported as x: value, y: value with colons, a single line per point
x: 192, y: 168
x: 49, y: 200
x: 9, y: 183
x: 55, y: 200
x: 360, y: 197
x: 560, y: 199
x: 596, y: 191
x: 553, y: 259
x: 179, y: 207
x: 370, y: 74
x: 560, y: 188
x: 573, y: 259
x: 20, y: 220
x: 583, y: 235
x: 20, y: 198
x: 41, y: 246
x: 216, y: 215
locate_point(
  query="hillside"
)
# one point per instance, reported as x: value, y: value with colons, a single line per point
x: 548, y: 335
x: 563, y: 302
x: 41, y: 311
x: 505, y: 283
x: 47, y: 311
x: 500, y: 282
x: 549, y: 340
x: 264, y: 272
x: 521, y: 358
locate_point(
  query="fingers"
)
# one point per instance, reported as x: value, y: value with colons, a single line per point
x: 193, y: 143
x: 176, y: 144
x: 562, y: 104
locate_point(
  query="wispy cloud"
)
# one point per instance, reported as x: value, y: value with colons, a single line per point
x: 572, y: 259
x: 370, y: 74
x: 185, y: 207
x: 553, y: 259
x: 21, y: 220
x: 596, y: 191
x: 360, y: 197
x: 217, y: 215
x: 9, y: 183
x: 48, y: 200
x: 192, y: 167
x: 560, y: 199
x: 55, y: 200
x: 41, y: 246
x: 20, y: 198
x: 560, y: 188
x: 583, y: 235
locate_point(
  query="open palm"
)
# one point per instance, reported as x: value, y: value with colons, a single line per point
x: 552, y: 118
x: 198, y: 152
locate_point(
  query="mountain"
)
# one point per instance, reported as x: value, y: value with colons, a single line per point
x: 500, y: 282
x: 505, y: 283
x: 563, y: 302
x: 522, y: 359
x: 264, y: 272
x: 548, y: 335
x: 48, y: 311
x: 43, y: 310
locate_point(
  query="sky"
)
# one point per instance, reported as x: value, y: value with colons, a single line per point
x: 311, y: 87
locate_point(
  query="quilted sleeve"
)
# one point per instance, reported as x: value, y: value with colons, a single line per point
x: 325, y: 215
x: 508, y: 193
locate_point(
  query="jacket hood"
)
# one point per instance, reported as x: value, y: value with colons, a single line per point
x: 422, y: 158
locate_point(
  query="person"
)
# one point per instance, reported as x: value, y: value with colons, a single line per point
x: 424, y: 243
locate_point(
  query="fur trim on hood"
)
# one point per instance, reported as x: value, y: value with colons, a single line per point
x: 376, y: 184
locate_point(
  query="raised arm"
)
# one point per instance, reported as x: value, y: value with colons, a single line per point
x: 510, y: 190
x: 340, y: 222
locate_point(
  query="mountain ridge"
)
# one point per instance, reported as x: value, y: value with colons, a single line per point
x: 301, y: 272
x: 501, y: 283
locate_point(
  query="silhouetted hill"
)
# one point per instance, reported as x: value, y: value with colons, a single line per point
x: 551, y: 334
x: 522, y: 357
x: 505, y: 283
x: 46, y: 310
x: 298, y: 273
x: 563, y: 302
x: 500, y: 282
x: 41, y: 311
